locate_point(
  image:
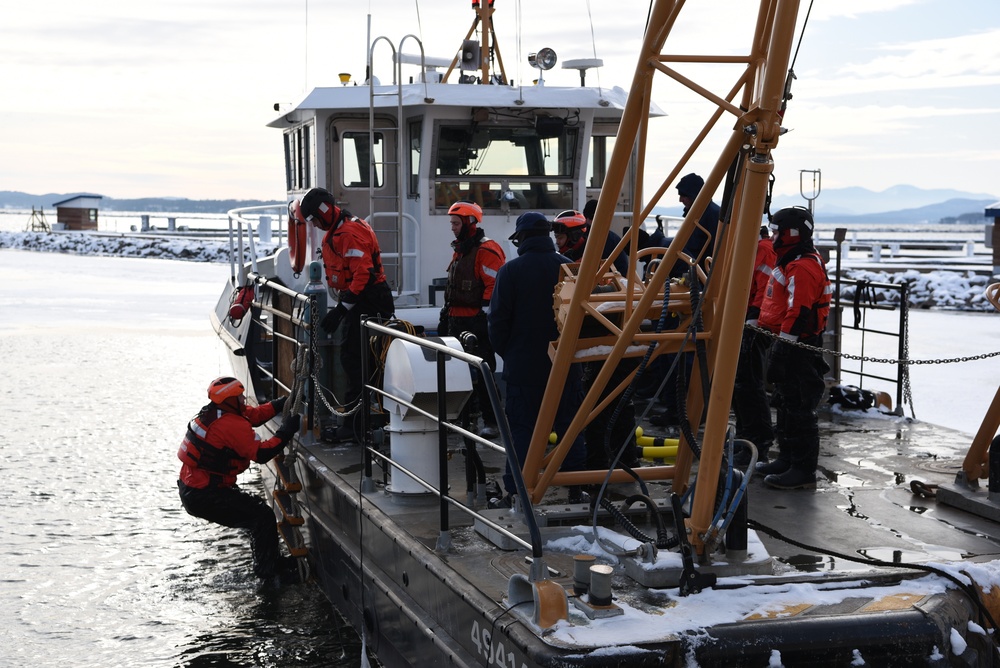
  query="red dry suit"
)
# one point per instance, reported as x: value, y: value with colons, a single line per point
x: 219, y: 445
x: 351, y: 256
x: 763, y: 265
x: 797, y: 300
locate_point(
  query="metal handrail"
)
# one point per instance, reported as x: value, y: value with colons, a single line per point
x: 237, y: 216
x: 486, y: 376
x: 902, y: 371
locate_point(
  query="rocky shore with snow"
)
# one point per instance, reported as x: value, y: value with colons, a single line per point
x: 937, y: 289
x: 123, y: 245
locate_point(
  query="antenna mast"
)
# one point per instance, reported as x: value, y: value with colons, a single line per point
x: 482, y: 51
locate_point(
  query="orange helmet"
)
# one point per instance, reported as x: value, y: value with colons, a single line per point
x: 224, y: 387
x: 471, y: 214
x: 568, y: 220
x: 467, y: 209
x: 318, y: 206
x: 574, y: 225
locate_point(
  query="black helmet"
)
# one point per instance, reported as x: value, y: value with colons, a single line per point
x: 791, y: 226
x: 318, y: 206
x: 793, y: 216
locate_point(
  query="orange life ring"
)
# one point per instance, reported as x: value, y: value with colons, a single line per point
x: 298, y: 245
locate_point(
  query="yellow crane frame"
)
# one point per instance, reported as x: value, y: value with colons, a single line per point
x: 755, y: 103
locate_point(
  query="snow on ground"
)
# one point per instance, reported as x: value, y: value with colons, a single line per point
x: 959, y: 290
x: 120, y: 245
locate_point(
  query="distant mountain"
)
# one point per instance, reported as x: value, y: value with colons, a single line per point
x: 950, y: 211
x: 18, y: 200
x: 855, y: 201
x: 899, y: 204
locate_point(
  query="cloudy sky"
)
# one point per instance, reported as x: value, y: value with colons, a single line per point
x: 171, y: 97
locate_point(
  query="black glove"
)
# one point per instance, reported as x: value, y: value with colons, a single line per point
x: 279, y: 404
x: 779, y: 361
x: 289, y: 427
x: 332, y: 319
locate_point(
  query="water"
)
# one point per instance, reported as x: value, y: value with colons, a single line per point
x: 104, y: 361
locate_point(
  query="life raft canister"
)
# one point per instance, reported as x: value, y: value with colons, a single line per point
x: 298, y: 244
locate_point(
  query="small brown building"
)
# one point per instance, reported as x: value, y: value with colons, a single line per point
x: 78, y: 213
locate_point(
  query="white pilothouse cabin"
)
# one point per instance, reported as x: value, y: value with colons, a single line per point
x: 400, y: 154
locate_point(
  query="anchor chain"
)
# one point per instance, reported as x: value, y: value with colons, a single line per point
x: 318, y: 365
x: 879, y: 360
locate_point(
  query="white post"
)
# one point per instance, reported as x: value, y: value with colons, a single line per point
x: 264, y: 229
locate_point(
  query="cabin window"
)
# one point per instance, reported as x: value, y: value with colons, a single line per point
x: 358, y: 156
x: 601, y: 148
x: 515, y: 166
x: 416, y: 128
x: 299, y: 158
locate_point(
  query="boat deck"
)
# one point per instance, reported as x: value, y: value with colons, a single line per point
x: 867, y: 464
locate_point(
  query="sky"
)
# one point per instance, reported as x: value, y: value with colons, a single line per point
x: 166, y: 98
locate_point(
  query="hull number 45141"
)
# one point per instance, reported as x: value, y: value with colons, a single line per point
x: 494, y: 653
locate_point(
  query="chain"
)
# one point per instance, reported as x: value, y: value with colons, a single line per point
x: 318, y: 365
x: 905, y: 375
x: 877, y: 360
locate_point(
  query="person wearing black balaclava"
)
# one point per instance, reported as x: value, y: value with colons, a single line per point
x: 795, y: 307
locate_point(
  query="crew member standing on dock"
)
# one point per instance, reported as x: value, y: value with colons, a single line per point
x: 352, y: 259
x: 219, y: 445
x: 471, y: 276
x: 522, y: 324
x: 795, y: 307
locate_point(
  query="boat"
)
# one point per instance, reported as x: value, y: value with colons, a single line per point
x: 682, y: 561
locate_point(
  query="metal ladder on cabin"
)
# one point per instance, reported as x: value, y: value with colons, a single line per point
x: 285, y: 493
x: 396, y: 166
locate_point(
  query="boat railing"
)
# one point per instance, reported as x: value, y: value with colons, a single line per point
x: 441, y: 354
x: 241, y: 235
x: 863, y: 296
x: 283, y: 316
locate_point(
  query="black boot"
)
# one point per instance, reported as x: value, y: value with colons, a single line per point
x: 792, y: 479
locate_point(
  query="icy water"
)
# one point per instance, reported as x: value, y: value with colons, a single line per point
x: 103, y: 362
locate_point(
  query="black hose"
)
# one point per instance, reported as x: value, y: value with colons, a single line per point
x: 965, y: 588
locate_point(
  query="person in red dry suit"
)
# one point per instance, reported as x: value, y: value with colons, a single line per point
x: 219, y: 444
x: 795, y: 307
x: 352, y: 259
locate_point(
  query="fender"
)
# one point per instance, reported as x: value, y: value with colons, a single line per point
x: 298, y: 245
